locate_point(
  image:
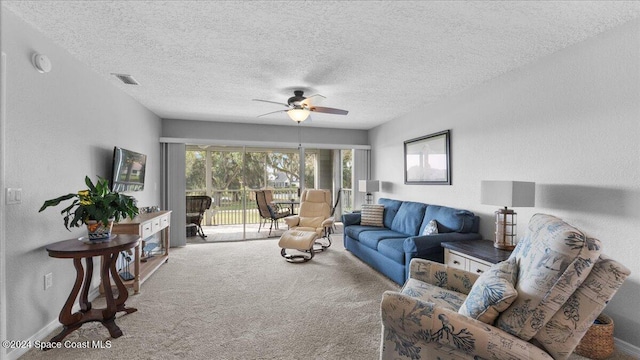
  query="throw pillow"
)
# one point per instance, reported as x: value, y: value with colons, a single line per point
x: 371, y: 215
x: 492, y: 293
x: 431, y: 228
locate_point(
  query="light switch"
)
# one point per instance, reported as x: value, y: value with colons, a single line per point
x: 13, y: 196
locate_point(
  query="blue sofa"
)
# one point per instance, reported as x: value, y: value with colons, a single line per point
x: 389, y: 249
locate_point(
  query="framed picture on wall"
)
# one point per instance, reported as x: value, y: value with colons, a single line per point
x: 427, y: 159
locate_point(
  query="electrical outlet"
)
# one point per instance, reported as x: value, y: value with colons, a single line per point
x: 48, y: 281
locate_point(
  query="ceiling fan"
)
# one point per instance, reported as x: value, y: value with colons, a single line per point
x: 299, y: 107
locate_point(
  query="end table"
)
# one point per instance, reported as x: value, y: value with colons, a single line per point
x: 475, y: 256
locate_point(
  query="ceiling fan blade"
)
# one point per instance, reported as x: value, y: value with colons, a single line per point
x: 273, y: 112
x: 329, y: 110
x: 272, y: 102
x: 308, y: 102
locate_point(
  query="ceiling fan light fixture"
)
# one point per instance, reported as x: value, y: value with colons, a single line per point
x: 298, y: 115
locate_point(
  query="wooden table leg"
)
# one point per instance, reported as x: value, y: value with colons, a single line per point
x: 109, y: 313
x: 71, y: 321
x: 85, y: 304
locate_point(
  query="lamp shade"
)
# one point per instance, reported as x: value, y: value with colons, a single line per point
x: 508, y: 193
x: 298, y: 115
x: 368, y: 186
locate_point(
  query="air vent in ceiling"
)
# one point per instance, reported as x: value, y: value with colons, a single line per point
x: 127, y: 79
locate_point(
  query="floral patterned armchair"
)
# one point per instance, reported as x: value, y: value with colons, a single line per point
x: 538, y: 304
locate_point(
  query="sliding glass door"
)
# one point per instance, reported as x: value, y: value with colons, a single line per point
x: 346, y: 169
x: 231, y: 175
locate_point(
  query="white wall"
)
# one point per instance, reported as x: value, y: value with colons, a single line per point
x: 61, y: 126
x: 570, y: 123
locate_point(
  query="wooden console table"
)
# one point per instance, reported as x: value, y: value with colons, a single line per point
x: 108, y: 251
x: 145, y: 226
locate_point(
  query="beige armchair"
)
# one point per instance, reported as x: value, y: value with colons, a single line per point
x: 560, y: 280
x: 314, y: 214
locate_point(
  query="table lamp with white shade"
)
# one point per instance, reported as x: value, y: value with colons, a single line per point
x: 507, y: 194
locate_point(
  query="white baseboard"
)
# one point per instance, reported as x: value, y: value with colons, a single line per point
x: 39, y: 336
x: 627, y: 348
x: 46, y: 331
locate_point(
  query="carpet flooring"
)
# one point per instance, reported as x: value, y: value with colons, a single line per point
x: 226, y: 233
x: 241, y: 300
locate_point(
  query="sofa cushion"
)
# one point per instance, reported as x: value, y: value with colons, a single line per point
x: 390, y: 210
x: 371, y: 238
x: 349, y: 219
x: 371, y: 215
x: 393, y: 249
x: 553, y: 259
x: 353, y: 231
x: 449, y: 219
x: 409, y: 218
x: 447, y: 299
x: 492, y: 293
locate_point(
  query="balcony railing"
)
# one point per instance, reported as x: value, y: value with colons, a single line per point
x: 346, y: 200
x: 226, y: 205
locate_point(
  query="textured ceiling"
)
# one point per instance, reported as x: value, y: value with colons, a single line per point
x: 206, y: 60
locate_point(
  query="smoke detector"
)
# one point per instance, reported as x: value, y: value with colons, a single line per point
x: 41, y: 62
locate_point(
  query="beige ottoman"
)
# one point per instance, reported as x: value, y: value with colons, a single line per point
x: 299, y: 240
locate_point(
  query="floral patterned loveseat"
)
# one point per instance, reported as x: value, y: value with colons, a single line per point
x: 538, y: 304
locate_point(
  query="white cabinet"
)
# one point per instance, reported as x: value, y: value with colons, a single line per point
x: 475, y: 256
x: 465, y: 262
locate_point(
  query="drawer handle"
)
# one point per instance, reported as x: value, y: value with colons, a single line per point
x: 456, y: 262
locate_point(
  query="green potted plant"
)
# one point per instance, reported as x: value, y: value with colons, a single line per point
x: 96, y: 207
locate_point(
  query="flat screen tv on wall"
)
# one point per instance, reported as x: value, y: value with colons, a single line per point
x: 128, y: 170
